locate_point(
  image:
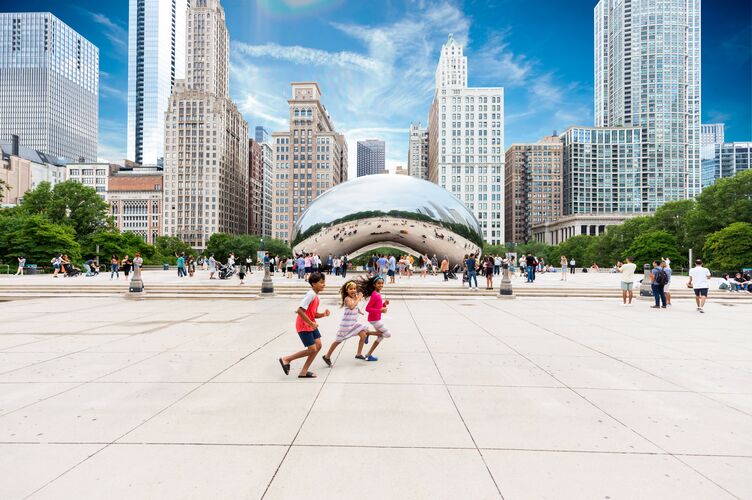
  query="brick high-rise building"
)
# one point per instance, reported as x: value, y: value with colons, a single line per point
x: 135, y: 196
x: 206, y: 138
x: 532, y: 187
x: 308, y: 159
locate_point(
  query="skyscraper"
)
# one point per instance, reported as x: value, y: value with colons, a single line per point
x: 206, y: 138
x: 255, y: 188
x: 710, y: 135
x: 647, y: 75
x: 371, y: 157
x: 156, y: 59
x: 308, y: 159
x: 532, y: 187
x: 49, y: 86
x: 727, y: 160
x: 466, y: 141
x: 263, y: 137
x: 417, y: 152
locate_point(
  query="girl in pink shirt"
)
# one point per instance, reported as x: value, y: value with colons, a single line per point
x: 371, y: 287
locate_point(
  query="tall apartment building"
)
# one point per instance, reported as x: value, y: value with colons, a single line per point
x: 371, y: 157
x: 647, y: 75
x: 727, y: 160
x: 135, y: 196
x: 532, y: 187
x: 49, y: 86
x: 206, y: 138
x: 255, y: 188
x: 417, y: 152
x: 602, y: 170
x: 308, y: 159
x: 466, y: 141
x: 156, y: 59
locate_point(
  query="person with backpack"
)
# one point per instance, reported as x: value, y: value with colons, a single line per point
x: 658, y: 280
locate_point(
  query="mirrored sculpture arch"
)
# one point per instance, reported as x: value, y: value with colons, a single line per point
x: 388, y: 210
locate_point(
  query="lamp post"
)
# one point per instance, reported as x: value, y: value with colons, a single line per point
x: 505, y: 290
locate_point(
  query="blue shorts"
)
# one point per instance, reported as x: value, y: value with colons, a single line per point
x: 309, y: 338
x: 390, y: 272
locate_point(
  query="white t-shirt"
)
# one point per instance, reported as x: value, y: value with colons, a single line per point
x: 307, y: 299
x: 627, y: 272
x: 699, y: 277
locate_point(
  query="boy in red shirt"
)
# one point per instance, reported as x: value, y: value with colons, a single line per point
x: 307, y: 327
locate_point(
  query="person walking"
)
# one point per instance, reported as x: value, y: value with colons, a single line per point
x: 564, y: 263
x: 349, y: 326
x: 658, y: 280
x: 21, y: 264
x: 114, y: 266
x: 627, y: 280
x: 490, y: 269
x: 212, y: 266
x: 699, y: 281
x: 55, y: 265
x: 572, y: 266
x: 371, y: 288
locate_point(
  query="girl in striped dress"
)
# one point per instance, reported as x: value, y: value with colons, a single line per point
x: 349, y: 326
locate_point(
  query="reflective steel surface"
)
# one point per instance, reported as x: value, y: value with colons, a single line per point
x: 379, y: 209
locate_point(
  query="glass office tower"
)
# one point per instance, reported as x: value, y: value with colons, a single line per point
x: 49, y: 86
x: 156, y: 58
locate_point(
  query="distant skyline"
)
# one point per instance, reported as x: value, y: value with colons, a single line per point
x: 375, y: 62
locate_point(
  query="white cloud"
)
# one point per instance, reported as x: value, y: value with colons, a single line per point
x: 369, y: 90
x: 115, y: 33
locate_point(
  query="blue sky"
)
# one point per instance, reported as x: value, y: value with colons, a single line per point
x: 375, y: 61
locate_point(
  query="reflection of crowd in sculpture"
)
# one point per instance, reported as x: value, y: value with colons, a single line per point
x: 407, y: 231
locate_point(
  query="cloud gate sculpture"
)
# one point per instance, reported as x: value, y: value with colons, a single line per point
x: 387, y: 211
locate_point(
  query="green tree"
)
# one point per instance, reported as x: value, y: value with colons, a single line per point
x: 220, y: 245
x: 3, y: 188
x: 168, y: 246
x: 577, y: 247
x: 277, y: 247
x: 69, y: 203
x: 113, y: 242
x: 653, y: 245
x: 675, y: 217
x: 729, y: 249
x: 36, y: 238
x: 720, y: 205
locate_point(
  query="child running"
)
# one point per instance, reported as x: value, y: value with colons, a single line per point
x: 307, y: 327
x: 350, y: 326
x: 371, y: 287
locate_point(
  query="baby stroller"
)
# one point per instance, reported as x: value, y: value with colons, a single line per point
x: 71, y: 271
x: 452, y: 274
x: 226, y: 272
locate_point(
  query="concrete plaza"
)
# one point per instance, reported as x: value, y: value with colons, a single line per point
x: 106, y: 397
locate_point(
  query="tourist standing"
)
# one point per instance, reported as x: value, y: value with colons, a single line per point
x: 563, y: 268
x: 127, y: 264
x: 212, y: 266
x: 471, y: 271
x: 329, y: 263
x: 307, y: 327
x: 658, y: 280
x: 666, y: 266
x: 114, y: 266
x: 138, y: 261
x: 699, y: 280
x: 572, y: 266
x: 343, y: 264
x: 392, y: 268
x: 180, y: 264
x: 530, y: 264
x: 627, y: 280
x: 445, y: 268
x: 490, y: 269
x: 21, y: 264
